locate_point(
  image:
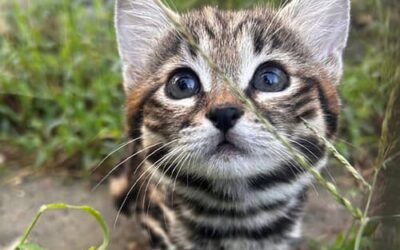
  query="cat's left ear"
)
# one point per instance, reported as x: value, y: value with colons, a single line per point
x: 324, y: 26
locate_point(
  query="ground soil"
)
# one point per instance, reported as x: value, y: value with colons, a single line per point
x: 21, y: 197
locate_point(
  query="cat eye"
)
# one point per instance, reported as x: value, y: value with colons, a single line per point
x: 270, y: 78
x: 184, y: 83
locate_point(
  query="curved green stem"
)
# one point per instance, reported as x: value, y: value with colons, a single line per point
x: 99, y: 218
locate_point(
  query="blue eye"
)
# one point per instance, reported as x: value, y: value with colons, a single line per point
x: 270, y: 79
x: 183, y: 84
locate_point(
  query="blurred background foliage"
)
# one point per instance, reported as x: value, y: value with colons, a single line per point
x: 61, y: 99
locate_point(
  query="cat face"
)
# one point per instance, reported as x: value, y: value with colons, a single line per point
x: 187, y: 115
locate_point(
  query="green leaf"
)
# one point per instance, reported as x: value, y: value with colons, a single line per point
x: 29, y: 246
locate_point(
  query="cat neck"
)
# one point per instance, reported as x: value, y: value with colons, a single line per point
x: 246, y: 194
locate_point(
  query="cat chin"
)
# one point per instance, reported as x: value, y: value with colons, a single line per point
x: 233, y: 166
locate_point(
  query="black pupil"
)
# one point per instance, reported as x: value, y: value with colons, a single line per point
x: 271, y: 78
x: 185, y: 83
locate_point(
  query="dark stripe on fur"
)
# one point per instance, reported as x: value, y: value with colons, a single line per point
x: 305, y: 89
x: 258, y: 34
x: 155, y: 155
x: 301, y: 103
x: 279, y: 227
x: 199, y: 209
x: 222, y: 21
x: 307, y: 115
x: 156, y: 104
x: 311, y: 148
x: 172, y: 43
x: 136, y: 118
x: 156, y: 241
x: 123, y: 200
x: 154, y: 210
x: 198, y: 183
x: 209, y: 31
x: 285, y: 174
x: 331, y: 118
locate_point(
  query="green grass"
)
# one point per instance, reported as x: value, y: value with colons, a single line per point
x: 61, y: 92
x: 61, y: 98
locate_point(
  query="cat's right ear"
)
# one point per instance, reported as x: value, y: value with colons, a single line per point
x: 324, y: 27
x: 140, y: 24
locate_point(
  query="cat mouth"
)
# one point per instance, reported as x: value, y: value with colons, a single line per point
x: 227, y: 147
x: 225, y: 143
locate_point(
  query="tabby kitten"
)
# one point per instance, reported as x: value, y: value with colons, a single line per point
x: 202, y: 171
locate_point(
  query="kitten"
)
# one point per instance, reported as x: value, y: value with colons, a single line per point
x: 202, y: 171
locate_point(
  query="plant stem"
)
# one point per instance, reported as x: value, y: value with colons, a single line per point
x: 339, y: 157
x: 385, y: 148
x: 87, y: 209
x: 364, y: 220
x: 31, y: 226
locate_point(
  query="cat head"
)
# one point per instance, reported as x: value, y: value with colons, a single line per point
x: 288, y: 62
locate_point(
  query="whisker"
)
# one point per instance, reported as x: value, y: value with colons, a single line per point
x: 120, y: 164
x: 155, y: 166
x: 179, y: 166
x: 161, y: 175
x: 150, y: 171
x: 114, y: 151
x: 172, y: 164
x: 158, y: 164
x: 132, y: 187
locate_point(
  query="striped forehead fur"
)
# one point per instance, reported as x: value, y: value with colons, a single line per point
x: 220, y: 33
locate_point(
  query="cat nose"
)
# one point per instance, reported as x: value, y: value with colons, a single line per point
x: 224, y: 117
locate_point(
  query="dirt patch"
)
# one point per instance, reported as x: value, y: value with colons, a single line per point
x: 66, y: 230
x: 61, y: 229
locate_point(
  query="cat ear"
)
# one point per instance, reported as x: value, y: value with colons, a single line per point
x: 323, y: 25
x: 140, y: 24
